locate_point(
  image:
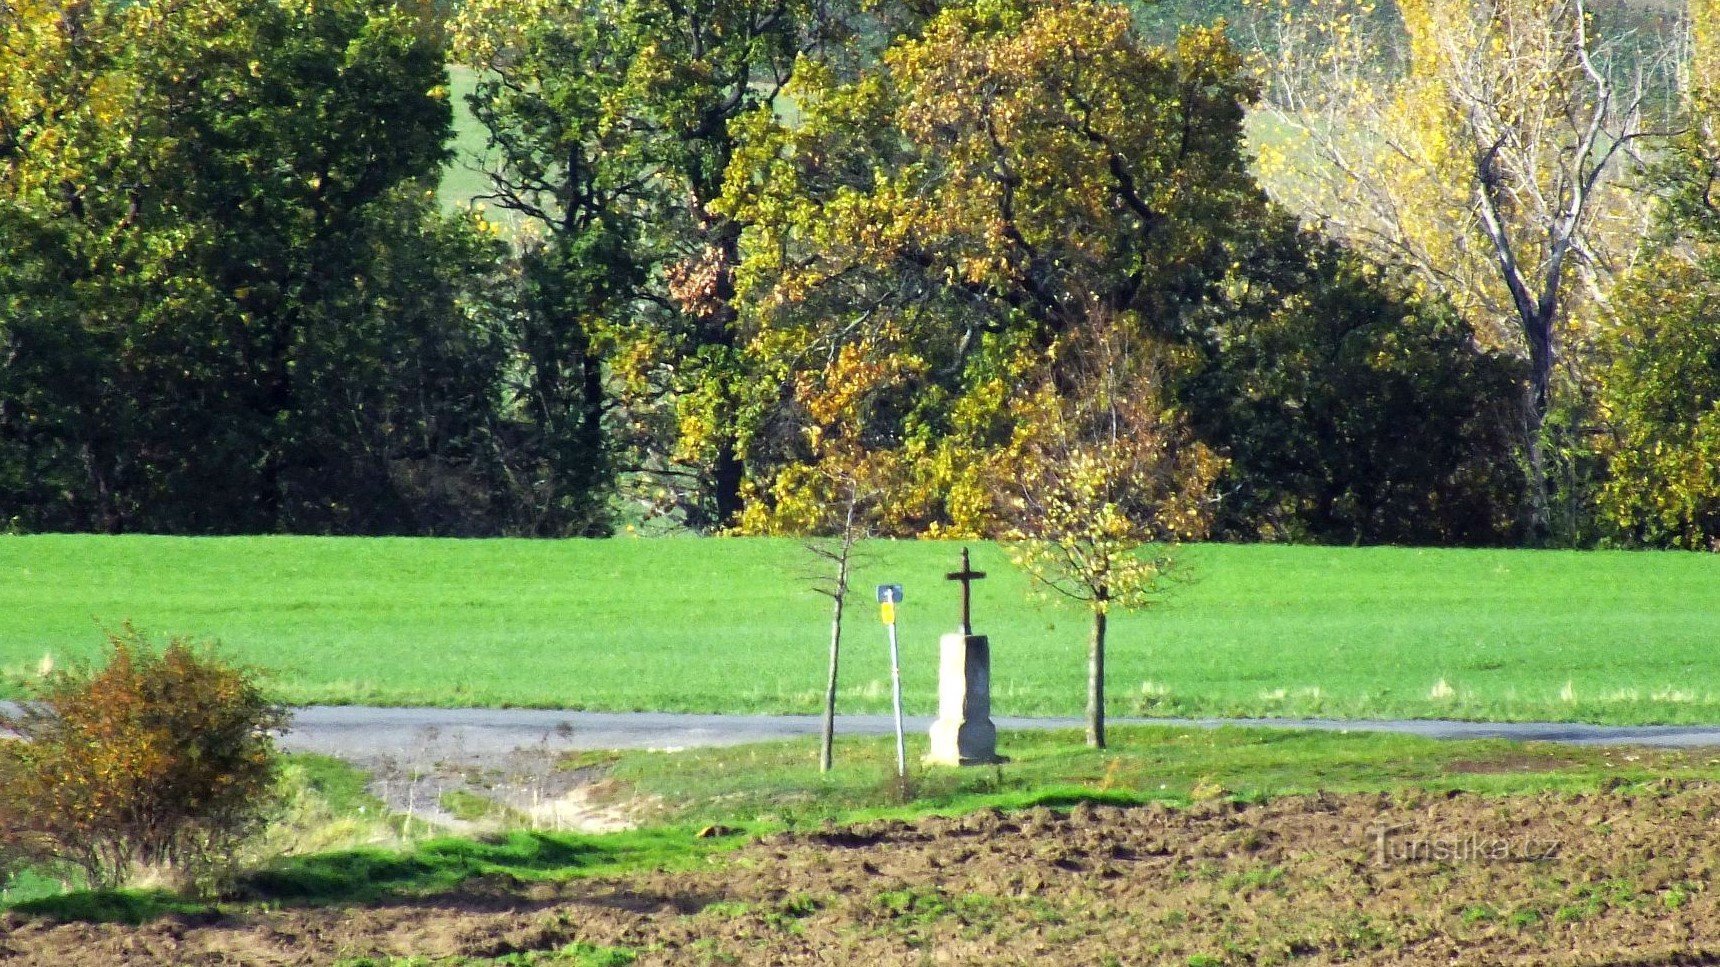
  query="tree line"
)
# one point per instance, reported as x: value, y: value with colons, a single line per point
x: 741, y: 261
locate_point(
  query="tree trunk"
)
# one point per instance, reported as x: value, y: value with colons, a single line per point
x: 1540, y: 501
x: 1536, y: 316
x: 1096, y: 679
x: 592, y: 480
x: 730, y: 470
x: 827, y: 736
x: 726, y: 476
x: 838, y: 600
x: 1538, y: 332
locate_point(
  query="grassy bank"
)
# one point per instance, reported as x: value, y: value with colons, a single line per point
x: 730, y: 625
x: 779, y: 782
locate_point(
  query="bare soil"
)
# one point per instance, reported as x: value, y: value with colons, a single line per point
x: 1409, y: 879
x: 526, y: 788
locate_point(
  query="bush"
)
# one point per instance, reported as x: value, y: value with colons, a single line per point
x: 1355, y: 412
x: 157, y: 765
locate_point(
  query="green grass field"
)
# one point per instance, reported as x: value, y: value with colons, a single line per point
x: 464, y: 180
x: 731, y: 625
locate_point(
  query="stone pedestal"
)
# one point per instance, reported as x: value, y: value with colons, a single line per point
x: 963, y: 734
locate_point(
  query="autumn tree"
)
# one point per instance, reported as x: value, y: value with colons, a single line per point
x: 928, y: 230
x: 1103, y: 481
x: 1660, y: 387
x: 70, y: 121
x: 1488, y: 163
x: 940, y: 223
x: 1689, y: 178
x: 1661, y: 393
x: 611, y: 126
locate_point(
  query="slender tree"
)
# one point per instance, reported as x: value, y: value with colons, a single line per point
x: 837, y: 502
x: 1106, y: 482
x: 837, y: 554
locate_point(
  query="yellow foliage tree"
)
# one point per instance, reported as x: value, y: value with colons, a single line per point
x: 1101, y: 483
x: 1660, y: 392
x: 1489, y: 164
x: 1705, y: 88
x: 1705, y: 45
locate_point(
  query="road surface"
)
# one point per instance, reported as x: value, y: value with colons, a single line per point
x: 476, y: 736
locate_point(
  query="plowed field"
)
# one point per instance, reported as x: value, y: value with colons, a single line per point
x: 1411, y: 879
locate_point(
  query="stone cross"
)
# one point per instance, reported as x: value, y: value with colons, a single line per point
x: 967, y: 575
x: 963, y: 734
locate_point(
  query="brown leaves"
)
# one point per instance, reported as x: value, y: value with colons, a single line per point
x: 696, y: 283
x: 159, y: 760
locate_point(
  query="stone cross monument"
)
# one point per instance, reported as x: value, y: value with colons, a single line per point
x: 963, y: 734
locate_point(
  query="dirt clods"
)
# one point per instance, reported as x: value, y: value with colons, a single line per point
x: 1374, y: 879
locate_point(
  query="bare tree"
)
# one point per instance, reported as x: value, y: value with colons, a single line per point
x: 837, y: 554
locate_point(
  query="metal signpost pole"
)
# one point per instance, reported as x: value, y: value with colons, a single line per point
x: 890, y: 595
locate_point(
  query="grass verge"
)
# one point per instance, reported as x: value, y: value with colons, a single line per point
x: 779, y: 783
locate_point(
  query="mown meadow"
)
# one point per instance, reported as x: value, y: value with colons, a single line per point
x: 732, y: 625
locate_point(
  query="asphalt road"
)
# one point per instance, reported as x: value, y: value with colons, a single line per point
x: 475, y: 736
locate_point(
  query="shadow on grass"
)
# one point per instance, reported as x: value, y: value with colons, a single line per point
x: 110, y: 906
x: 372, y: 875
x: 442, y: 865
x: 1069, y: 798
